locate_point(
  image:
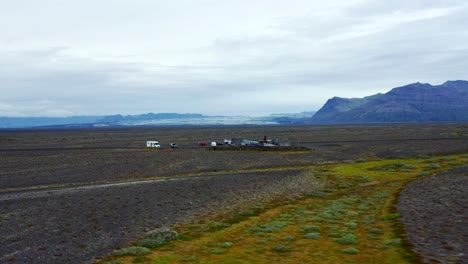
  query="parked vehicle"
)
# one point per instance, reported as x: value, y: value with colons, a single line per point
x: 153, y: 144
x: 202, y: 143
x: 173, y: 145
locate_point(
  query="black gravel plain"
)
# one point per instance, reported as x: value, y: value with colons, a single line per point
x: 72, y: 196
x: 434, y: 212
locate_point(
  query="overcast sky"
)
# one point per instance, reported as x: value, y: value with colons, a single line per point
x: 243, y: 57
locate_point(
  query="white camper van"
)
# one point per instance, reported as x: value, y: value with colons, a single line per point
x: 152, y: 144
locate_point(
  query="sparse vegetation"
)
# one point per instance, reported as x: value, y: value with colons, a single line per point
x: 350, y: 250
x: 312, y: 235
x: 433, y: 166
x: 358, y: 215
x: 390, y: 216
x: 282, y: 248
x: 132, y: 251
x: 151, y: 242
x: 217, y: 251
x: 347, y: 239
x: 226, y: 244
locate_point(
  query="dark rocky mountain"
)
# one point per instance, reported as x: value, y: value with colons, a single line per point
x: 417, y: 102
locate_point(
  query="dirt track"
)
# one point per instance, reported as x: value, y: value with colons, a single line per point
x: 90, y: 215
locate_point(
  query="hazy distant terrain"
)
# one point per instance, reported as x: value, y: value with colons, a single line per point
x: 151, y: 119
x: 413, y: 103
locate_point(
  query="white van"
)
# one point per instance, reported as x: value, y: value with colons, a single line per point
x: 152, y: 144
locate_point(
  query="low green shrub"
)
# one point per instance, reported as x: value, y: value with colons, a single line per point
x: 446, y: 158
x: 350, y: 199
x: 363, y: 179
x: 282, y: 248
x: 393, y: 241
x: 286, y: 216
x: 289, y: 238
x: 312, y: 235
x: 271, y: 227
x: 216, y: 251
x: 132, y: 251
x: 352, y: 225
x: 376, y: 231
x: 347, y: 239
x: 316, y: 219
x: 433, y: 166
x: 151, y: 242
x: 221, y: 225
x: 394, y: 167
x: 226, y: 244
x: 350, y: 250
x: 363, y: 207
x: 163, y: 233
x: 247, y: 213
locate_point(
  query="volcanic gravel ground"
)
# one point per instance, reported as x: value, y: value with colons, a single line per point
x: 434, y: 214
x: 69, y: 196
x: 74, y: 225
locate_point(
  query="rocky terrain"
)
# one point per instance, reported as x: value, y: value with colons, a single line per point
x: 434, y: 215
x: 74, y: 195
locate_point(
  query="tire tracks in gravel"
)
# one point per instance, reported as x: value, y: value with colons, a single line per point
x: 7, y: 194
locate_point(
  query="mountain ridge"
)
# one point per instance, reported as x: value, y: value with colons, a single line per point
x: 416, y: 102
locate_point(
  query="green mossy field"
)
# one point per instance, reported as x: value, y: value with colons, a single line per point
x: 352, y: 220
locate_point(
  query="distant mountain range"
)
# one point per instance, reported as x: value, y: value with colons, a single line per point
x: 417, y: 102
x: 149, y: 119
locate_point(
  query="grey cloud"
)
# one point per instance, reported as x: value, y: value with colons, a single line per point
x: 296, y: 63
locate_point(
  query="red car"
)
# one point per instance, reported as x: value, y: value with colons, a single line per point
x: 202, y: 143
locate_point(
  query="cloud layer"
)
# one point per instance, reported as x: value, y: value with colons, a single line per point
x: 220, y: 57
